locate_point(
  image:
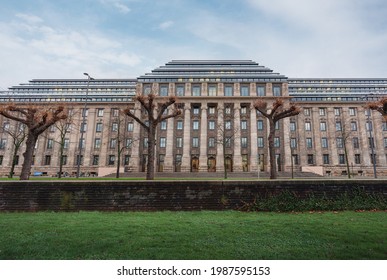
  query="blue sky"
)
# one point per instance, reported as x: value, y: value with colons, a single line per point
x: 126, y: 38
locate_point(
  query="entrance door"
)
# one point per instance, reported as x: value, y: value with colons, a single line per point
x: 228, y: 163
x: 195, y: 164
x: 211, y: 164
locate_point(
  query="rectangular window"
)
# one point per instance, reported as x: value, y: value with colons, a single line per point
x: 292, y: 126
x: 113, y: 143
x: 323, y: 126
x: 98, y: 127
x: 211, y: 110
x: 276, y: 91
x: 212, y: 90
x: 81, y: 144
x: 245, y: 90
x: 369, y: 125
x: 211, y: 142
x: 371, y: 142
x: 308, y: 126
x: 357, y: 159
x: 227, y: 125
x: 196, y: 110
x: 339, y: 142
x: 66, y: 143
x: 325, y: 158
x: 50, y: 143
x: 260, y: 142
x: 341, y: 159
x: 260, y: 125
x: 95, y: 159
x: 179, y: 125
x: 211, y: 125
x: 179, y: 142
x: 244, y: 142
x: 352, y: 111
x: 353, y: 126
x: 195, y: 142
x: 338, y: 126
x: 385, y: 142
x: 337, y: 111
x: 243, y: 124
x: 163, y: 142
x: 195, y: 125
x: 130, y: 127
x: 196, y: 90
x: 355, y: 142
x: 384, y: 126
x: 115, y: 112
x: 261, y: 90
x: 128, y: 143
x: 324, y: 142
x: 99, y: 112
x: 1, y: 160
x: 228, y: 90
x: 228, y: 142
x: 310, y: 159
x: 79, y: 160
x: 127, y: 160
x: 147, y: 89
x: 64, y: 160
x: 112, y: 159
x: 145, y: 142
x: 97, y: 143
x: 83, y: 127
x: 85, y: 113
x: 114, y: 127
x: 373, y: 158
x: 47, y: 160
x: 163, y: 91
x: 322, y: 111
x: 163, y: 125
x: 180, y: 90
x: 309, y: 143
x: 243, y: 110
x: 293, y: 143
x: 307, y: 111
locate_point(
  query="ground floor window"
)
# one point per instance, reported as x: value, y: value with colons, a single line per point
x: 245, y: 163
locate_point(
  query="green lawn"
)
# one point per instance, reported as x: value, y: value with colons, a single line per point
x: 193, y: 235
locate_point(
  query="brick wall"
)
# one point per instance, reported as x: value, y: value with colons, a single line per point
x: 162, y: 195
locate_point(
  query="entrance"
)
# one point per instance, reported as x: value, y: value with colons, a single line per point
x: 195, y: 164
x: 211, y: 164
x: 228, y: 164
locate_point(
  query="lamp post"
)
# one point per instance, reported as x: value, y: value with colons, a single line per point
x: 370, y: 127
x: 83, y: 125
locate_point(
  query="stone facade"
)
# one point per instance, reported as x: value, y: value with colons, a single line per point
x: 218, y: 127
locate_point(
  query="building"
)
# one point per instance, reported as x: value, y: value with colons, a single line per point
x: 219, y: 128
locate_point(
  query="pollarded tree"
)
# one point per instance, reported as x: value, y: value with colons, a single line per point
x: 36, y: 118
x: 380, y: 106
x: 155, y: 112
x: 273, y: 114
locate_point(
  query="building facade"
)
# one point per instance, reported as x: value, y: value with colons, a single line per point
x: 218, y: 128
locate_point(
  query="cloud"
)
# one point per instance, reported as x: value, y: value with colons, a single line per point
x: 117, y: 4
x: 166, y: 24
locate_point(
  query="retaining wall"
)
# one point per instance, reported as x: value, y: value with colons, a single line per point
x: 162, y: 195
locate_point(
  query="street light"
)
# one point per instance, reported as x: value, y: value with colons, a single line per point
x: 83, y: 126
x: 370, y: 127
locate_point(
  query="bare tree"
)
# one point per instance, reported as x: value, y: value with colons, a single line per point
x: 36, y: 118
x: 273, y: 114
x: 155, y: 109
x: 345, y: 133
x: 18, y: 134
x: 380, y: 106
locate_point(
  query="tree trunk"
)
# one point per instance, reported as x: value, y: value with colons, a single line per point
x: 273, y: 165
x: 150, y: 173
x: 61, y: 160
x: 28, y: 156
x: 13, y: 164
x: 346, y: 158
x: 118, y: 161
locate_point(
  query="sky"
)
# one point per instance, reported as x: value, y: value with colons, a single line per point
x: 126, y: 38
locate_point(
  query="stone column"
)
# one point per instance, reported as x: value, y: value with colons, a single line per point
x: 219, y: 147
x: 253, y: 140
x: 237, y: 165
x: 186, y: 158
x: 203, y: 167
x: 134, y: 164
x: 168, y: 160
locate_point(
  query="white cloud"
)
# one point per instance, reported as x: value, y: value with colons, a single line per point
x: 118, y: 4
x: 166, y: 24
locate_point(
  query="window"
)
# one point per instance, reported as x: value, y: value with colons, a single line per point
x: 130, y: 126
x: 128, y: 143
x: 195, y: 125
x: 211, y: 125
x: 295, y: 159
x: 337, y: 111
x: 64, y: 160
x: 227, y: 110
x: 211, y: 110
x: 245, y: 90
x: 308, y: 126
x: 373, y: 158
x: 83, y: 127
x: 66, y: 143
x: 261, y: 90
x: 179, y: 125
x: 339, y: 142
x: 341, y: 159
x: 114, y: 127
x: 97, y: 143
x: 243, y: 124
x: 309, y: 143
x: 145, y: 142
x: 323, y: 126
x: 112, y: 159
x: 353, y: 126
x: 1, y: 160
x: 163, y: 142
x: 47, y: 160
x: 355, y: 142
x: 180, y: 90
x: 195, y: 142
x: 338, y: 126
x: 260, y: 142
x: 163, y: 91
x: 244, y: 110
x: 310, y: 159
x: 79, y: 160
x: 384, y: 126
x: 127, y: 160
x: 369, y: 125
x: 260, y: 124
x: 50, y: 143
x: 228, y: 142
x: 325, y: 158
x: 51, y: 129
x: 196, y: 110
x: 307, y: 111
x: 244, y: 142
x: 276, y: 91
x: 98, y: 127
x: 293, y: 143
x: 100, y: 112
x: 385, y: 142
x: 357, y: 159
x: 227, y: 125
x: 371, y: 142
x: 179, y: 142
x: 163, y: 125
x: 115, y: 112
x: 196, y: 90
x: 147, y: 89
x: 95, y: 159
x: 212, y: 90
x: 324, y: 142
x: 81, y: 143
x: 292, y: 126
x: 211, y: 142
x: 228, y: 90
x: 322, y: 111
x: 113, y: 143
x: 85, y: 113
x: 276, y: 142
x: 277, y: 125
x: 352, y: 111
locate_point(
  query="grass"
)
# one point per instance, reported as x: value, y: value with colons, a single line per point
x: 193, y: 235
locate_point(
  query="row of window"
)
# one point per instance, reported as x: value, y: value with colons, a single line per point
x: 337, y: 111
